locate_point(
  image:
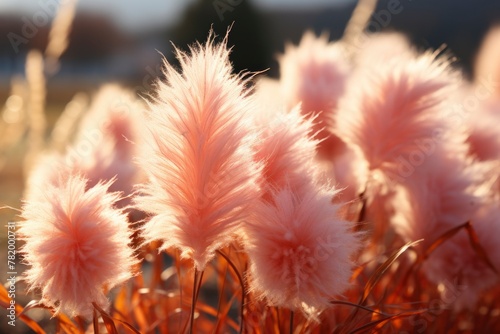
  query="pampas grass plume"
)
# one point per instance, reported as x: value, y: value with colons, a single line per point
x: 483, y: 132
x: 287, y: 151
x: 439, y: 195
x: 76, y: 245
x: 300, y: 250
x: 103, y: 149
x: 486, y: 63
x: 458, y: 268
x: 114, y: 113
x: 199, y: 157
x: 395, y: 109
x: 314, y: 73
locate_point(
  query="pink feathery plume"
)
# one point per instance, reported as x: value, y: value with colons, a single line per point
x: 287, y: 150
x: 114, y: 113
x: 382, y: 47
x: 460, y: 270
x: 348, y: 172
x: 285, y: 142
x: 267, y: 96
x: 300, y: 250
x: 203, y: 180
x: 110, y: 133
x: 314, y: 74
x: 101, y: 162
x: 438, y: 196
x: 484, y: 132
x: 487, y: 66
x: 103, y: 149
x: 376, y: 48
x: 76, y: 244
x: 442, y: 194
x: 392, y: 114
x: 49, y: 169
x: 490, y: 170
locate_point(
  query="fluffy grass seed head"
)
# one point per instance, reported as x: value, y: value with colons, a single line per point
x: 199, y: 156
x: 395, y: 109
x: 77, y: 245
x: 300, y: 251
x: 314, y: 73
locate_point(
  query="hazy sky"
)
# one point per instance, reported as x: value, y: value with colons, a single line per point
x: 144, y: 14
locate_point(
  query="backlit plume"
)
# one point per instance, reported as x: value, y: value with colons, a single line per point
x: 314, y: 73
x: 299, y: 248
x: 77, y: 245
x: 394, y: 110
x: 199, y: 158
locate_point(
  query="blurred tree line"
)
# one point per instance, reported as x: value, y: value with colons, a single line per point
x: 251, y: 46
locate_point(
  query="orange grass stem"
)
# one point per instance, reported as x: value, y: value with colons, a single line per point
x: 196, y: 288
x: 95, y: 322
x: 243, y: 287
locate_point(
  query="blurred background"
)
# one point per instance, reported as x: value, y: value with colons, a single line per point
x: 124, y: 40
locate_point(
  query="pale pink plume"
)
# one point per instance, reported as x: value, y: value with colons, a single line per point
x: 103, y: 148
x: 102, y: 163
x: 267, y: 96
x: 484, y: 131
x: 288, y: 148
x: 114, y: 113
x: 300, y: 250
x: 392, y: 111
x: 460, y: 271
x: 284, y: 266
x: 49, y: 169
x: 439, y: 195
x: 96, y: 161
x: 490, y: 170
x: 487, y: 65
x: 108, y: 139
x: 287, y: 151
x: 203, y: 180
x: 443, y: 193
x: 76, y: 245
x: 348, y: 172
x: 378, y: 48
x: 314, y: 74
